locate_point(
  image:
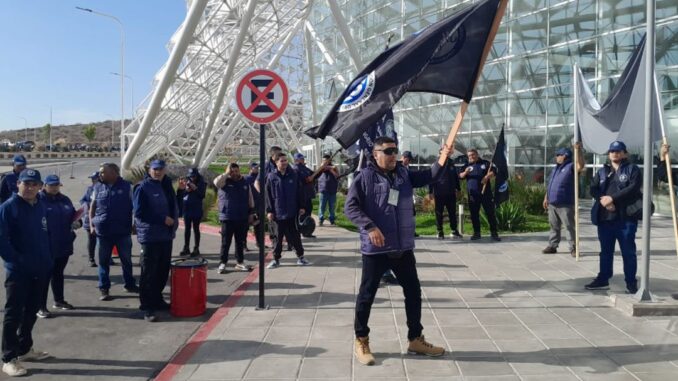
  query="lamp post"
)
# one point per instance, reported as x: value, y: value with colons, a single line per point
x: 122, y: 71
x: 131, y: 92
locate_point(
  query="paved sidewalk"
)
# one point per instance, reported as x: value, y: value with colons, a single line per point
x: 503, y: 310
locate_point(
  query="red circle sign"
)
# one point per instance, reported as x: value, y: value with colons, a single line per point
x: 262, y: 96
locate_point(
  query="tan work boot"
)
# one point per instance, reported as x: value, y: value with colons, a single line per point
x: 363, y: 352
x: 419, y: 346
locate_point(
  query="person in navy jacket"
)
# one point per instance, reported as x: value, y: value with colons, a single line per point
x: 156, y: 219
x: 8, y: 185
x: 191, y: 193
x: 85, y: 201
x: 269, y: 168
x: 252, y: 179
x: 110, y: 215
x: 445, y: 193
x: 617, y: 207
x: 60, y: 226
x: 236, y: 210
x: 24, y: 247
x: 380, y: 204
x: 285, y: 195
x: 559, y: 199
x: 478, y: 174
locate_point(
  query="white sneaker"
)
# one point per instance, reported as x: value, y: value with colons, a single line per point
x: 33, y: 355
x: 274, y: 264
x: 13, y: 368
x: 303, y: 262
x: 222, y: 268
x: 242, y: 267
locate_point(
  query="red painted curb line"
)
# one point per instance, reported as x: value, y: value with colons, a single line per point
x: 193, y: 344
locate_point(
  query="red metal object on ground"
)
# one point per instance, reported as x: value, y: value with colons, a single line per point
x: 189, y: 287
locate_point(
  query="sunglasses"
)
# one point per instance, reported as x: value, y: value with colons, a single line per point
x: 388, y: 151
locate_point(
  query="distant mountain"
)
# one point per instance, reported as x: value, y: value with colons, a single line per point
x: 69, y: 134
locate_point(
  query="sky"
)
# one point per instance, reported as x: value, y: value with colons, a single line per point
x: 53, y: 55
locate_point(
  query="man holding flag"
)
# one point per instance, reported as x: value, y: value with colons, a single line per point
x: 478, y: 174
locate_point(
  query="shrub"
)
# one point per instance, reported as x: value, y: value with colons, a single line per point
x: 530, y: 197
x: 510, y: 216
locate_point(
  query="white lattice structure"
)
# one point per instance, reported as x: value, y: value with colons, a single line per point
x: 191, y: 113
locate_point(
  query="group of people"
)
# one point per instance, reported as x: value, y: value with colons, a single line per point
x: 37, y: 224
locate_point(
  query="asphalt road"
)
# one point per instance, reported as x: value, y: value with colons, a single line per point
x: 110, y: 340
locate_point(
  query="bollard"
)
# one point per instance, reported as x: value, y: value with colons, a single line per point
x: 72, y: 164
x: 460, y: 218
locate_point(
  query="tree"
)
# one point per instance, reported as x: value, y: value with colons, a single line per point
x: 46, y: 130
x: 90, y: 132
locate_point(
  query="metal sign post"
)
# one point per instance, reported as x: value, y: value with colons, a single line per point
x: 262, y: 98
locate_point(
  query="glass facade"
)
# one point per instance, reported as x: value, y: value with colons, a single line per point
x: 527, y: 81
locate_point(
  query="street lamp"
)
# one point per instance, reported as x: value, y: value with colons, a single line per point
x: 131, y: 92
x: 122, y: 71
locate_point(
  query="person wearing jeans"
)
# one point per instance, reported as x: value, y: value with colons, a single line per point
x: 110, y: 216
x: 156, y: 218
x: 236, y: 208
x: 24, y: 247
x: 327, y: 187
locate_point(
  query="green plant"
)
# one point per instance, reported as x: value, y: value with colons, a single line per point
x: 90, y: 132
x: 529, y: 196
x: 209, y: 203
x: 510, y: 217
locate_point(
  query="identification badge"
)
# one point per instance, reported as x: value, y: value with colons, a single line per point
x: 393, y: 197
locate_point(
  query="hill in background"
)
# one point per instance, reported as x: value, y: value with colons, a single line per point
x: 68, y: 134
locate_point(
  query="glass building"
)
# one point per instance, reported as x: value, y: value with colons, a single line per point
x: 527, y: 81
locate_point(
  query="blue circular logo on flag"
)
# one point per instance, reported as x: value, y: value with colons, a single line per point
x: 359, y: 93
x: 451, y: 47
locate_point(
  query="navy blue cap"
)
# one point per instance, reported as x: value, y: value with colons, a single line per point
x: 408, y: 155
x: 193, y: 172
x: 253, y: 164
x: 157, y: 164
x: 94, y: 175
x: 30, y: 175
x: 298, y: 156
x: 19, y: 159
x: 617, y: 146
x: 52, y: 180
x: 564, y: 152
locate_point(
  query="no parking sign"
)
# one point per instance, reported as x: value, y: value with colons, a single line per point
x: 262, y: 96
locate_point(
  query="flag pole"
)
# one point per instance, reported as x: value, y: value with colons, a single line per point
x: 576, y: 161
x: 667, y: 161
x: 492, y: 161
x: 488, y: 45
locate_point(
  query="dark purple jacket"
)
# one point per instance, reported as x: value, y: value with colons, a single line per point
x: 234, y: 200
x: 153, y: 201
x: 303, y: 172
x: 285, y: 194
x: 60, y: 212
x: 560, y: 191
x: 367, y: 205
x: 113, y: 213
x: 327, y: 183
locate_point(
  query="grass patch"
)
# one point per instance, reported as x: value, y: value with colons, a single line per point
x: 425, y: 222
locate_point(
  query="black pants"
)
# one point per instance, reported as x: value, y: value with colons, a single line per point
x: 155, y: 265
x: 448, y: 202
x: 405, y: 269
x: 24, y: 296
x: 188, y: 223
x: 57, y: 281
x: 273, y: 232
x: 91, y: 244
x: 474, y: 203
x: 229, y: 230
x: 288, y: 229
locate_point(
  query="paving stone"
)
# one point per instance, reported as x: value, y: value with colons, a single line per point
x: 274, y: 368
x: 325, y: 368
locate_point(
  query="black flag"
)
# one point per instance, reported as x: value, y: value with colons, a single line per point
x: 501, y: 185
x: 443, y: 58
